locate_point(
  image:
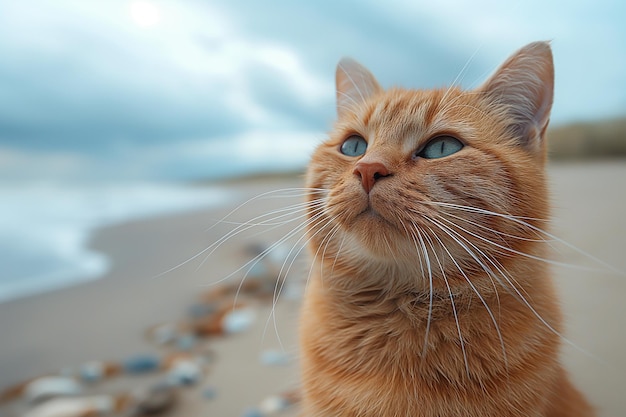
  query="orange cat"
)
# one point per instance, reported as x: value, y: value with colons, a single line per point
x: 430, y: 294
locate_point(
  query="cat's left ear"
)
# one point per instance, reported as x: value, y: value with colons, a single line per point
x: 355, y: 84
x: 524, y: 87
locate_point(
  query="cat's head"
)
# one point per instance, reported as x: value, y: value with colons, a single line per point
x: 446, y: 177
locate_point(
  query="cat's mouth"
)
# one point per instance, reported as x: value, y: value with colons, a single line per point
x: 373, y: 214
x: 370, y: 214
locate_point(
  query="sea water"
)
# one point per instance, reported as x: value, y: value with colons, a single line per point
x: 45, y: 227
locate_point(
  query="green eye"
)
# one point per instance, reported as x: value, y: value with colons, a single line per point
x: 355, y: 145
x: 440, y: 147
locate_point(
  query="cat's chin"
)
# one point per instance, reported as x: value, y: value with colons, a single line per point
x: 373, y: 218
x: 373, y: 226
x: 378, y: 236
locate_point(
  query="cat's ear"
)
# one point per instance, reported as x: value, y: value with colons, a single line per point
x: 523, y: 87
x: 354, y: 85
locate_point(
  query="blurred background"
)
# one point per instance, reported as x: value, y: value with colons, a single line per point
x: 104, y: 106
x: 118, y: 110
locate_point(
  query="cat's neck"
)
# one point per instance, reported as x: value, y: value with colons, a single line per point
x: 480, y: 308
x: 417, y: 292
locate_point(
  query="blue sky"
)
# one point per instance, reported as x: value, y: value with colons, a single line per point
x: 179, y: 89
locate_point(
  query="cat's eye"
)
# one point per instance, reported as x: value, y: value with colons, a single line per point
x: 440, y: 147
x: 355, y: 145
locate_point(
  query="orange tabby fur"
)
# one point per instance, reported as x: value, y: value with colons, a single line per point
x: 422, y: 309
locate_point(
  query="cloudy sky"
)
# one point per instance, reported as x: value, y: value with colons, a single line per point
x: 180, y: 89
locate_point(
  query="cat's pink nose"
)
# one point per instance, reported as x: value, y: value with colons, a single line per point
x: 370, y: 172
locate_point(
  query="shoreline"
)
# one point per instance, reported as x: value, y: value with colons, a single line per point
x: 48, y: 227
x: 106, y: 319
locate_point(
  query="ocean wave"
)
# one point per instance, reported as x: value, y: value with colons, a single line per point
x: 45, y: 227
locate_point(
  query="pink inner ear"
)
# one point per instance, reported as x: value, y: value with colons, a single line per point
x: 524, y: 85
x: 355, y: 84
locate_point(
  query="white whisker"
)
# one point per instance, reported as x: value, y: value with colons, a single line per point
x: 430, y: 287
x: 245, y: 227
x: 211, y: 248
x: 454, y: 310
x: 521, y: 221
x: 254, y: 261
x: 517, y: 252
x: 283, y: 273
x: 511, y: 285
x: 472, y: 286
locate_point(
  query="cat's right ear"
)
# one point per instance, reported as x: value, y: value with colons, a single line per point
x: 355, y: 84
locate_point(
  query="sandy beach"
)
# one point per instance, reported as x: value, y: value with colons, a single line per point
x: 107, y: 319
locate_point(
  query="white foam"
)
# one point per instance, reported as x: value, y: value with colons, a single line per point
x: 44, y: 228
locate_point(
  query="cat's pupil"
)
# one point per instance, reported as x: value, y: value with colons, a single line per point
x: 354, y: 146
x: 440, y: 147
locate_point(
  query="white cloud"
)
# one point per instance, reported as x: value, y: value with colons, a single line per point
x: 589, y: 42
x: 264, y: 150
x: 27, y: 165
x: 194, y: 53
x: 144, y: 13
x: 68, y: 64
x: 288, y: 64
